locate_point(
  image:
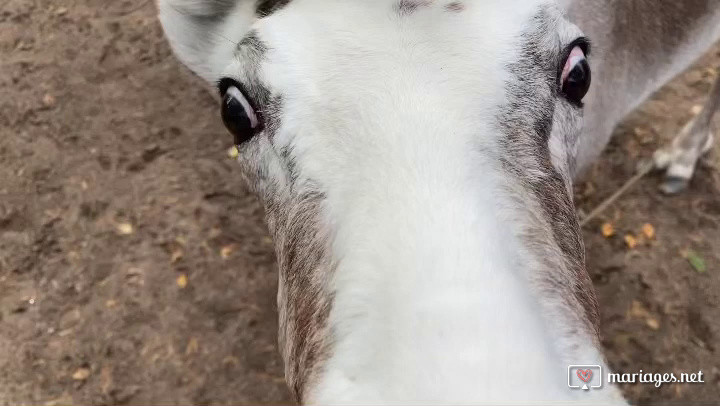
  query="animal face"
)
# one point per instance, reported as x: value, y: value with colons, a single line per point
x: 359, y: 121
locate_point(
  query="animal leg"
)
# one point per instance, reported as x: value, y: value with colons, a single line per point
x: 680, y: 158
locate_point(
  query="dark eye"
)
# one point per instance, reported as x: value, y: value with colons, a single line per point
x: 238, y: 115
x: 576, y: 76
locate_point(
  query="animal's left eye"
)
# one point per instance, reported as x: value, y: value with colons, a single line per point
x: 576, y: 76
x: 238, y: 115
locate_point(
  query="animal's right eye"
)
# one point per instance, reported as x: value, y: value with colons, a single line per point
x: 576, y: 77
x: 238, y: 115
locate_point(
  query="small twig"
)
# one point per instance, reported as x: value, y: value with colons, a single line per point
x: 643, y: 170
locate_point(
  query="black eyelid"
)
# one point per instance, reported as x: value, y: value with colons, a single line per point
x: 582, y: 42
x: 225, y: 83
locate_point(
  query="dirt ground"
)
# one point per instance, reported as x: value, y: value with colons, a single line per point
x: 136, y: 269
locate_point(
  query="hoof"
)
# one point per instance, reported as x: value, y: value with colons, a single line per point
x: 674, y: 185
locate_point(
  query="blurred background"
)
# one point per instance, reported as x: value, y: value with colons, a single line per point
x: 135, y: 268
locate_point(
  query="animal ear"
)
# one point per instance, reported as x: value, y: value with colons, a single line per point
x: 204, y: 33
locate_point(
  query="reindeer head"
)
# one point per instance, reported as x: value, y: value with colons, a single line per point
x: 406, y: 150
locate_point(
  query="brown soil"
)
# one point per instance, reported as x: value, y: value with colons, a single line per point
x: 135, y: 267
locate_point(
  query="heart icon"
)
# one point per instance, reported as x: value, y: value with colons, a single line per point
x: 585, y: 375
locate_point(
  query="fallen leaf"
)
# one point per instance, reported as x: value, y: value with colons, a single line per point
x: 652, y: 323
x: 230, y: 360
x: 133, y: 271
x: 176, y: 255
x: 637, y: 310
x: 192, y: 346
x: 695, y: 260
x: 124, y: 228
x: 182, y: 281
x: 631, y: 241
x: 233, y: 152
x: 81, y: 374
x: 649, y: 231
x: 110, y: 303
x: 696, y: 109
x: 48, y: 100
x: 607, y: 230
x: 226, y: 251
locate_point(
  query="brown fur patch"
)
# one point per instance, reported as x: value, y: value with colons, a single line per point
x: 292, y: 213
x: 527, y: 123
x: 304, y: 302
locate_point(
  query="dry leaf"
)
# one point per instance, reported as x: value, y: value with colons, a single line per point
x: 607, y: 230
x: 182, y: 281
x: 695, y: 260
x: 176, y: 255
x: 649, y: 231
x: 653, y: 323
x: 124, y: 228
x: 226, y: 251
x: 48, y: 100
x: 81, y: 374
x: 133, y: 271
x: 192, y: 346
x: 696, y: 109
x: 230, y: 360
x: 110, y: 303
x: 631, y: 241
x: 637, y: 310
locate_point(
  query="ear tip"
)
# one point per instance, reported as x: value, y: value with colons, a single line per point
x: 195, y: 31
